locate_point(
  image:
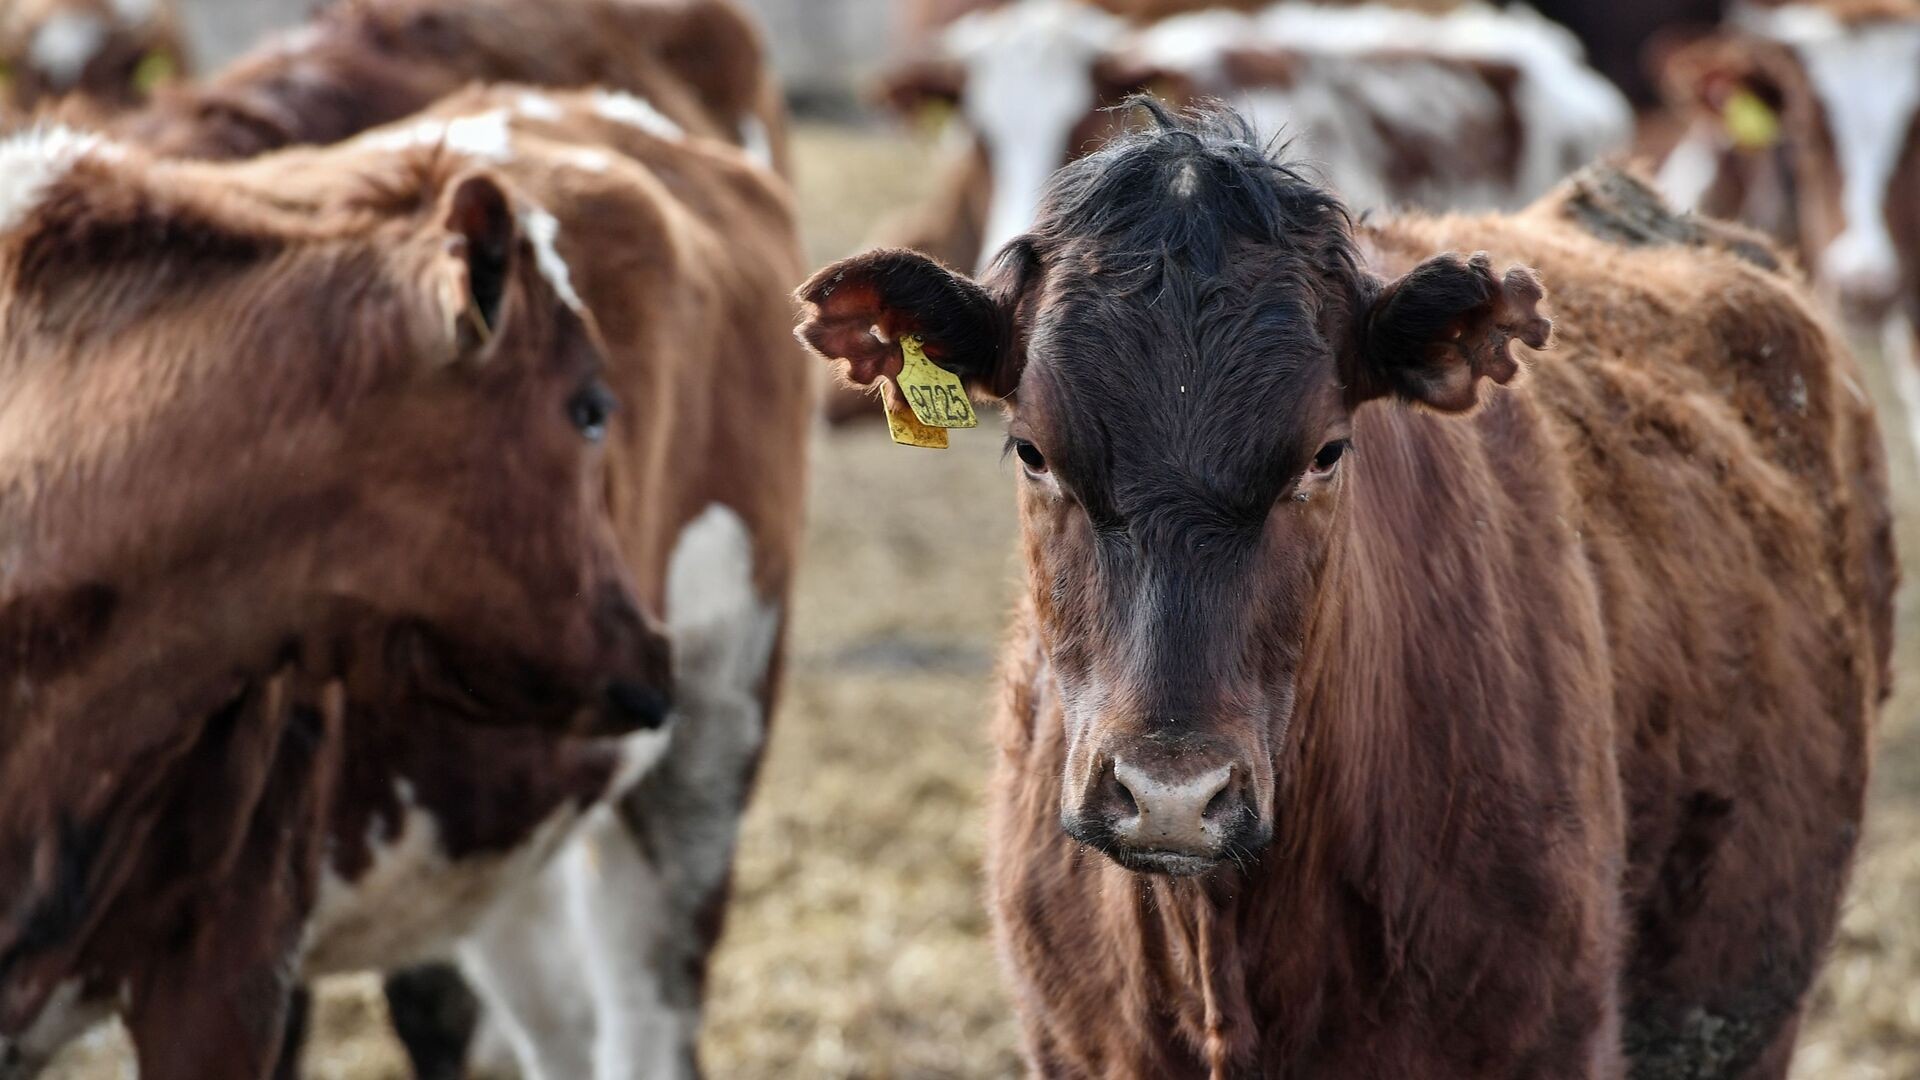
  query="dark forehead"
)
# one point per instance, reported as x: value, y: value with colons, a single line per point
x: 1191, y: 286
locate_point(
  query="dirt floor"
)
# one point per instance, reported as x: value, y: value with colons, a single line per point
x: 858, y: 945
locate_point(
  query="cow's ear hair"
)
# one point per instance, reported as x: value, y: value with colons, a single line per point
x: 1432, y: 335
x: 481, y: 237
x: 857, y: 309
x: 1706, y: 72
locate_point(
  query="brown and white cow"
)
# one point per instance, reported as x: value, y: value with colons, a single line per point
x: 1364, y: 717
x: 1386, y: 101
x: 92, y: 57
x: 580, y: 888
x: 1806, y: 123
x: 362, y: 63
x: 1470, y: 108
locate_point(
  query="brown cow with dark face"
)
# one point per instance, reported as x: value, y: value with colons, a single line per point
x: 610, y: 325
x: 1427, y: 728
x: 93, y: 58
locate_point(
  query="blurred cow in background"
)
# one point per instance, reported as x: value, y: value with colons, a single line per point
x: 728, y: 247
x: 93, y: 57
x: 1476, y: 108
x: 362, y: 63
x: 1471, y: 108
x: 572, y: 252
x: 1805, y: 122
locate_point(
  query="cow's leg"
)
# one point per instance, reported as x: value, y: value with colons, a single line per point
x: 647, y: 1009
x: 434, y: 1014
x: 655, y: 895
x: 525, y: 964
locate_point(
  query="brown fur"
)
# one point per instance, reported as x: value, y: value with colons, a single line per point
x: 320, y: 272
x: 1558, y: 711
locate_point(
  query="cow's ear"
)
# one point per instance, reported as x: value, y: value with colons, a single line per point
x: 928, y: 85
x: 856, y: 311
x: 1735, y: 79
x: 479, y: 221
x: 1432, y: 335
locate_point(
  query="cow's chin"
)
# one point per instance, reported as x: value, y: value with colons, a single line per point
x: 491, y: 686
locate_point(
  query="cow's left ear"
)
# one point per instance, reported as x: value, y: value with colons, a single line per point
x: 857, y: 309
x: 481, y: 237
x: 1432, y: 335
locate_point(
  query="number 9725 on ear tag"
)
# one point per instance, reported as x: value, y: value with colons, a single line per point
x: 932, y: 392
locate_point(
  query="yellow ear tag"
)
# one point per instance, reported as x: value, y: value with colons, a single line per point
x: 1750, y: 123
x: 908, y: 431
x: 932, y: 116
x: 155, y: 70
x: 934, y: 393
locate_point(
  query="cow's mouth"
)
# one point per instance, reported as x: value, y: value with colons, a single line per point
x: 1240, y: 851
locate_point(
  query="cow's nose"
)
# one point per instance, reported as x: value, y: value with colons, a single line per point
x: 1187, y: 815
x: 637, y: 706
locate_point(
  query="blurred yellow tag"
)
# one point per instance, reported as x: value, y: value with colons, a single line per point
x: 908, y: 431
x: 934, y: 393
x: 155, y: 70
x: 1750, y: 124
x: 932, y: 116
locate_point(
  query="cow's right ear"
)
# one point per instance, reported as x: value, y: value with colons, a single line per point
x: 856, y: 311
x: 481, y: 237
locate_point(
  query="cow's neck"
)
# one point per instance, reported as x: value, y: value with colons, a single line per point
x: 1371, y: 816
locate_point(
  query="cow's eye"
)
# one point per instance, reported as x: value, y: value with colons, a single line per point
x: 1329, y: 456
x: 1030, y: 456
x: 589, y: 409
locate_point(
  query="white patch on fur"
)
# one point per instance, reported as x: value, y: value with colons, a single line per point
x: 413, y: 901
x: 581, y: 965
x: 486, y: 136
x: 1867, y: 79
x: 1569, y: 113
x: 538, y: 107
x: 756, y: 141
x: 587, y: 159
x: 617, y: 901
x: 32, y: 163
x: 66, y: 1016
x: 543, y: 232
x: 1029, y: 83
x: 1690, y: 169
x: 624, y: 108
x: 64, y: 45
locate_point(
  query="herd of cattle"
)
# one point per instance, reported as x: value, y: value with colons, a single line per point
x: 1430, y: 664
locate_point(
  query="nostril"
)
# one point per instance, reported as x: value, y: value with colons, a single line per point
x: 1124, y: 803
x: 638, y: 704
x: 1217, y: 805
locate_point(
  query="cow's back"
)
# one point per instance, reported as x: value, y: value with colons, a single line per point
x: 1732, y: 501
